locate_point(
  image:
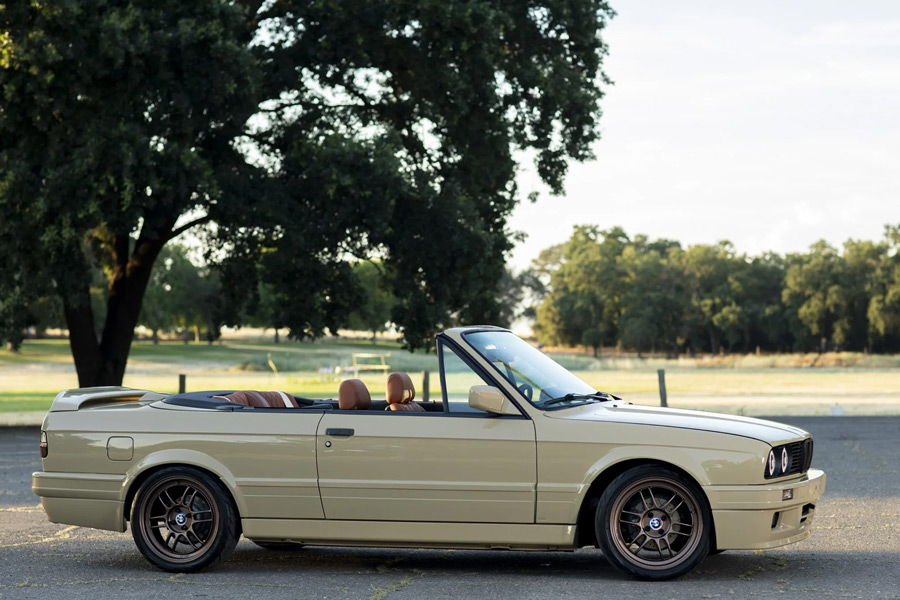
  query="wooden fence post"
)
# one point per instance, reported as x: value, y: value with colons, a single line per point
x: 182, y: 383
x: 663, y: 401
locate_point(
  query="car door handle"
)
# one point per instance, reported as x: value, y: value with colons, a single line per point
x: 339, y: 432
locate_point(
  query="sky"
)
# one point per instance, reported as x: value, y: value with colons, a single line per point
x: 772, y: 124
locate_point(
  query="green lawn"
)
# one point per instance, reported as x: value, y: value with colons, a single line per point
x: 25, y: 401
x: 749, y: 385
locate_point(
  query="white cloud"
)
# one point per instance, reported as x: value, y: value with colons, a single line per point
x: 855, y: 35
x: 772, y: 126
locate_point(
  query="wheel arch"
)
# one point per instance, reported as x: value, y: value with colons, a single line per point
x: 585, y: 534
x: 135, y: 483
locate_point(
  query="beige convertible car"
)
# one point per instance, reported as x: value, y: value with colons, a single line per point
x: 517, y: 453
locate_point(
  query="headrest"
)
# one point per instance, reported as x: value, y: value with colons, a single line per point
x: 400, y: 389
x: 353, y: 395
x: 262, y: 399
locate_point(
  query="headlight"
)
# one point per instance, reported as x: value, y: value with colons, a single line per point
x: 789, y: 459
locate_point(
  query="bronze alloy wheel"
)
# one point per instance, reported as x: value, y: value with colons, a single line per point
x: 653, y: 523
x: 182, y: 521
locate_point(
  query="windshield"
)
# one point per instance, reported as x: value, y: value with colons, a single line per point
x: 537, y: 376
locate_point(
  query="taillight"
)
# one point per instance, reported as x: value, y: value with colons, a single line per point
x: 43, y: 444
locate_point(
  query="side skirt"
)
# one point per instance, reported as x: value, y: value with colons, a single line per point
x: 412, y: 534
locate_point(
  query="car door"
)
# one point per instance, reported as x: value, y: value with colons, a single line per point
x: 271, y: 455
x: 456, y: 466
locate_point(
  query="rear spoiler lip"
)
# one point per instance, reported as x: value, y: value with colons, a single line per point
x: 72, y: 399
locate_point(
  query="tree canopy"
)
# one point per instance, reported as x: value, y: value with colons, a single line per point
x: 374, y: 313
x: 295, y: 137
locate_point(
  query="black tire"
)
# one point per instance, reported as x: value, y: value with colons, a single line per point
x: 182, y: 520
x: 652, y: 507
x: 279, y: 546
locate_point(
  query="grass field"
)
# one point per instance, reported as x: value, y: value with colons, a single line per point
x: 752, y: 385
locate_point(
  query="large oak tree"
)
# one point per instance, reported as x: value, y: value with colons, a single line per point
x: 295, y: 137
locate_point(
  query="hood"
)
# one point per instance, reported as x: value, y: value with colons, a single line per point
x: 621, y: 412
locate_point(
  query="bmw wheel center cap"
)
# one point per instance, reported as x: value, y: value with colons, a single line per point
x: 655, y: 523
x: 180, y: 518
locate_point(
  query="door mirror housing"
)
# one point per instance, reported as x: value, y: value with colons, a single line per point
x: 490, y: 399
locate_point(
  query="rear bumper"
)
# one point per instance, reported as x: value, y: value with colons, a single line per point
x: 756, y: 516
x: 86, y: 500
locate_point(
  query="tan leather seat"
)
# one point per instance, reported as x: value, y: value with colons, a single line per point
x: 354, y: 395
x: 262, y: 399
x: 400, y: 393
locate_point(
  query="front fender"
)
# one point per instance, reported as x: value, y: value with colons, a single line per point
x: 568, y: 471
x: 706, y: 466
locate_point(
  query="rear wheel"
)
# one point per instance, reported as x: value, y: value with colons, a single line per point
x: 182, y: 520
x: 653, y: 523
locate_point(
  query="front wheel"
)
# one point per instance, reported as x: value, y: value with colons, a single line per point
x: 653, y: 523
x: 182, y: 520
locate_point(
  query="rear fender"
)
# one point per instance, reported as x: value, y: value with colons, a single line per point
x: 191, y: 458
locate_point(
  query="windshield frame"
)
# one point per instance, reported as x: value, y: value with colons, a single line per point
x: 529, y: 368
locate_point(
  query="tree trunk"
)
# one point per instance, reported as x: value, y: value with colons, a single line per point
x: 82, y: 336
x: 714, y: 344
x: 102, y: 362
x: 156, y: 337
x: 277, y: 339
x: 212, y: 330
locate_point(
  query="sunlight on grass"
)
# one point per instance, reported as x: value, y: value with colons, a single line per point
x: 747, y: 385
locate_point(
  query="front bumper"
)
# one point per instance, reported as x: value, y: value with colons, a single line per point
x: 755, y: 516
x: 86, y: 500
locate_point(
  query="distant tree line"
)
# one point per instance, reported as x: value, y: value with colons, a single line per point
x: 604, y: 288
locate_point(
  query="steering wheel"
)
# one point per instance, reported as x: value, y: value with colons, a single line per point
x: 527, y: 391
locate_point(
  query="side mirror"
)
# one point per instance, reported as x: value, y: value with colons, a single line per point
x: 490, y: 399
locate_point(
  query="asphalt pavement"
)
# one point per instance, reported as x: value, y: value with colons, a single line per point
x: 853, y: 552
